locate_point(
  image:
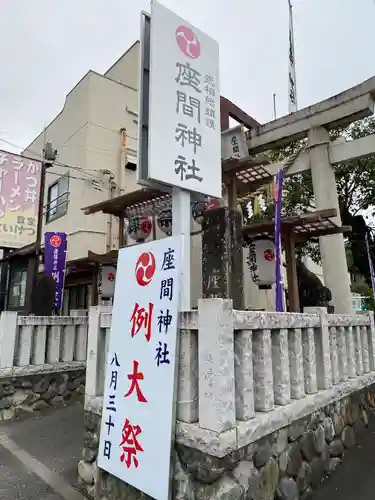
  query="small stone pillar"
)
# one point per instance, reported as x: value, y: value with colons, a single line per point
x: 222, y: 260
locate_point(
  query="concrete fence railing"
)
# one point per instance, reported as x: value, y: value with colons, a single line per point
x: 254, y: 370
x: 33, y: 344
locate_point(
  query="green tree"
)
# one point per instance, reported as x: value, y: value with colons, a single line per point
x: 356, y: 190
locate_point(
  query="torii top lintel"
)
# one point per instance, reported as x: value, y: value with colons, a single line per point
x: 229, y: 110
x: 339, y: 110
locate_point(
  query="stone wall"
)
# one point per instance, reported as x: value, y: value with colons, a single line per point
x: 36, y: 392
x: 286, y: 465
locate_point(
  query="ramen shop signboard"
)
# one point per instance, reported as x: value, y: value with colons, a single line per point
x: 184, y: 120
x: 138, y: 413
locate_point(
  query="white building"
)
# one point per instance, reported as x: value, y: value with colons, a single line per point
x: 98, y: 117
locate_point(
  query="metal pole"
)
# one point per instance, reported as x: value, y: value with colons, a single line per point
x: 32, y: 271
x: 181, y: 213
x: 274, y: 106
x: 292, y: 79
x: 48, y: 157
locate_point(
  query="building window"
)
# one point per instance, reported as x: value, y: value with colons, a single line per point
x: 57, y: 198
x: 78, y: 295
x: 17, y: 286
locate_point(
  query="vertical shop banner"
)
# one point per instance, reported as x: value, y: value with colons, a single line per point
x: 138, y: 407
x: 278, y: 270
x: 55, y: 247
x: 19, y: 199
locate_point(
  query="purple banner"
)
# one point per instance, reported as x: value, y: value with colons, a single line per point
x: 370, y: 266
x: 278, y: 206
x: 55, y: 246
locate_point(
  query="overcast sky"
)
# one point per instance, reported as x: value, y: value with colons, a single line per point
x: 46, y: 47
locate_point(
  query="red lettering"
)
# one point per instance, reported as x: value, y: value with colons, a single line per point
x: 135, y: 377
x: 130, y: 444
x: 142, y: 318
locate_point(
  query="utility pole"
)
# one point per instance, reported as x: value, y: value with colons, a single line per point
x: 111, y: 189
x: 49, y: 156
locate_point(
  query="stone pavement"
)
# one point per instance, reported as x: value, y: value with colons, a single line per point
x: 354, y: 479
x: 39, y: 455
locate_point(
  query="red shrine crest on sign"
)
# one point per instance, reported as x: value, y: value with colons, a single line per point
x: 145, y: 268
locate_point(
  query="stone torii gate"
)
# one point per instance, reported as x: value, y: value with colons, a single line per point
x: 322, y: 156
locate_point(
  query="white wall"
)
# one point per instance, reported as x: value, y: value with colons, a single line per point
x: 87, y: 136
x: 122, y: 70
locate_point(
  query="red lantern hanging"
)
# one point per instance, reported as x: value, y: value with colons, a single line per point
x: 139, y: 228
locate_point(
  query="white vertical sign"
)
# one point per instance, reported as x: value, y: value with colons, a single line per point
x: 292, y: 83
x: 184, y: 117
x: 138, y: 406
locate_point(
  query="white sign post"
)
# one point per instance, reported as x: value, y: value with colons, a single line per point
x: 180, y: 149
x: 184, y: 136
x: 138, y: 406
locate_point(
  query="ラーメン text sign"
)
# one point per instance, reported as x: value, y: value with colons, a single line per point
x: 184, y: 117
x: 19, y: 199
x: 138, y: 417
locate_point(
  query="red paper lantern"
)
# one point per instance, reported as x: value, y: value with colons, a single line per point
x: 139, y: 228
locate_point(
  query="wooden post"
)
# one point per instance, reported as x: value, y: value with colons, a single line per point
x: 232, y: 193
x: 95, y: 294
x: 121, y: 233
x: 291, y: 271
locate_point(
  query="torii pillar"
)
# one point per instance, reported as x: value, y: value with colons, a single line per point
x: 332, y: 248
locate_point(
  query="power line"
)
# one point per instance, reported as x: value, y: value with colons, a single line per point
x: 74, y: 146
x: 89, y: 176
x: 70, y: 176
x: 57, y: 163
x: 35, y: 153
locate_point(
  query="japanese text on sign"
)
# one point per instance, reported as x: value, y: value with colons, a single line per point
x: 55, y: 248
x: 111, y: 405
x: 19, y: 199
x: 188, y: 103
x: 139, y: 388
x: 184, y: 81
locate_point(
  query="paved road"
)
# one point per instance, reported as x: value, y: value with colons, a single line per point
x: 355, y: 478
x: 39, y: 456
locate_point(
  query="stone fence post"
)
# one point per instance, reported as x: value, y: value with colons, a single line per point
x: 8, y: 331
x: 96, y: 353
x: 217, y: 406
x: 371, y: 340
x: 323, y: 348
x: 187, y: 395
